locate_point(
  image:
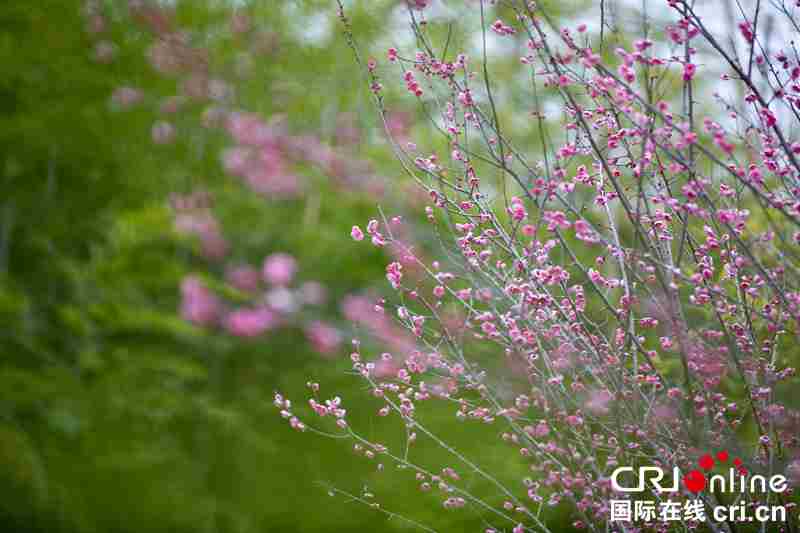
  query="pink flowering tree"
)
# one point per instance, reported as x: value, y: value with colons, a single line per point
x: 616, y: 279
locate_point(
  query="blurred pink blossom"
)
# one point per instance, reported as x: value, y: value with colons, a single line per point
x: 385, y: 367
x: 282, y: 300
x: 198, y: 304
x: 250, y: 322
x: 598, y: 402
x: 361, y: 310
x: 249, y: 129
x: 313, y: 293
x: 244, y: 278
x: 279, y: 269
x: 203, y: 225
x: 324, y: 338
x: 236, y: 160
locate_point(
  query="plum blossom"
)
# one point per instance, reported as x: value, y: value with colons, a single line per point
x: 250, y: 322
x: 198, y: 304
x: 279, y: 269
x: 323, y: 337
x: 244, y: 278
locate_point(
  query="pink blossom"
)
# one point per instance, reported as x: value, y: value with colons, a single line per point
x: 249, y: 129
x: 361, y: 310
x: 384, y: 368
x: 688, y: 71
x: 746, y: 29
x: 313, y: 293
x: 357, y: 234
x: 412, y: 85
x: 574, y: 420
x: 203, y: 225
x: 279, y: 269
x: 282, y: 300
x: 237, y: 160
x: 648, y: 322
x: 394, y: 274
x: 198, y: 304
x: 584, y: 232
x: 399, y: 123
x: 269, y: 175
x: 598, y: 402
x: 323, y: 337
x: 501, y: 28
x: 517, y: 209
x: 541, y: 430
x: 245, y: 278
x: 250, y: 322
x: 556, y: 220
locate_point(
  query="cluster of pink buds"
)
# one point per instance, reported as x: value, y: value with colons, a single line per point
x: 285, y: 406
x: 330, y: 407
x: 501, y: 28
x: 411, y: 84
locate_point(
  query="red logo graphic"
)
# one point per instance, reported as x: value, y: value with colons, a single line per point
x: 706, y: 462
x: 695, y: 481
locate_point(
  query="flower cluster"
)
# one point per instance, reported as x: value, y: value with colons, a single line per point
x: 636, y: 279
